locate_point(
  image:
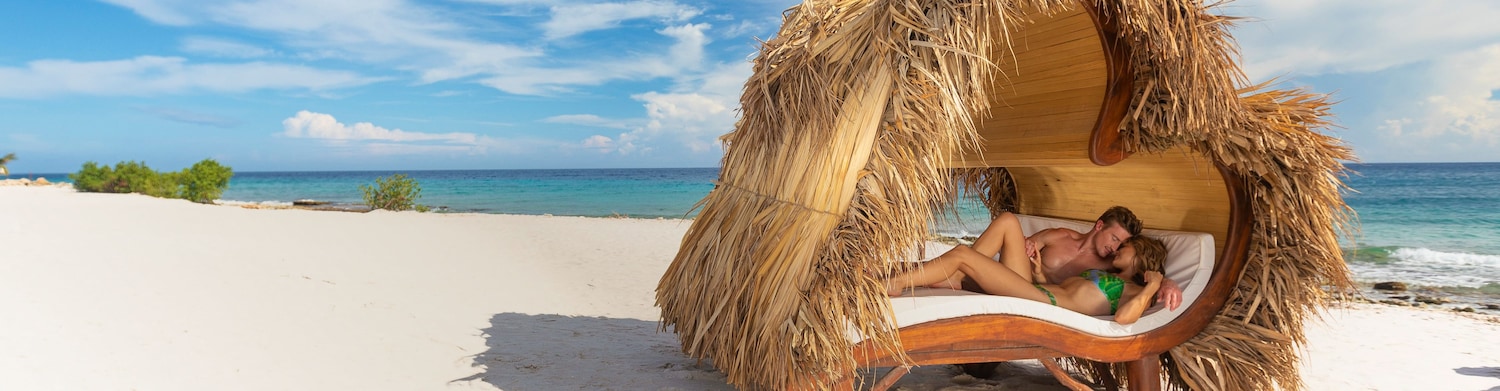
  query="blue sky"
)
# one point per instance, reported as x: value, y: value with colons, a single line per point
x: 265, y: 85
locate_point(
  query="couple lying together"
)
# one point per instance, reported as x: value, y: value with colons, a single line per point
x: 1111, y: 270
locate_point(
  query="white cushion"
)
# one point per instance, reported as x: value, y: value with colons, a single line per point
x: 1190, y: 260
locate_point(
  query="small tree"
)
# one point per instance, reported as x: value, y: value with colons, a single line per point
x: 204, y: 182
x: 9, y: 157
x: 92, y: 178
x: 396, y: 192
x: 136, y: 177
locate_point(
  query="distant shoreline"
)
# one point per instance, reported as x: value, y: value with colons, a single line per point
x: 1416, y: 295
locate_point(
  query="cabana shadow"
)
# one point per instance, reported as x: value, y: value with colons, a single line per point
x: 1479, y: 371
x: 555, y: 352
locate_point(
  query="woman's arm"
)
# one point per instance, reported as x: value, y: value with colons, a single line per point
x: 1131, y: 311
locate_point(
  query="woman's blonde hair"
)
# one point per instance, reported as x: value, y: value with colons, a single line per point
x: 1150, y: 253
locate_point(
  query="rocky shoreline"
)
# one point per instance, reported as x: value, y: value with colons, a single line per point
x: 40, y: 181
x: 1396, y: 293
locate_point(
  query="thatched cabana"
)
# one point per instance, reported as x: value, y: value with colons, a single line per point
x: 863, y: 117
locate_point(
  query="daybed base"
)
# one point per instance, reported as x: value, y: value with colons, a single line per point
x: 975, y: 339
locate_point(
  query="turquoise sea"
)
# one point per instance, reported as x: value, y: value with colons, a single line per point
x: 1431, y: 224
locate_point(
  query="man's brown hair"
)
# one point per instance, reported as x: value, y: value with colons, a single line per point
x: 1123, y: 217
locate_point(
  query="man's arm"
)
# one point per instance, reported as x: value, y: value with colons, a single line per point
x: 1170, y: 294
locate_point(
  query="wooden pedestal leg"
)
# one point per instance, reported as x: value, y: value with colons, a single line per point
x: 1144, y: 374
x: 890, y: 378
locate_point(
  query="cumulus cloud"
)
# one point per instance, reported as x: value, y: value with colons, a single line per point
x: 150, y: 75
x: 692, y: 116
x: 1460, y: 100
x: 307, y: 124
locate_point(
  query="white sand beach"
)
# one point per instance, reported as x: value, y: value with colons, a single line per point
x: 128, y: 292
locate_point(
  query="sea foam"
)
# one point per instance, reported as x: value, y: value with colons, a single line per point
x: 1423, y: 266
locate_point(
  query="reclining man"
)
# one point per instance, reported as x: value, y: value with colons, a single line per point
x: 1058, y: 253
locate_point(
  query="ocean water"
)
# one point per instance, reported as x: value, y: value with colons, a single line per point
x: 640, y: 193
x: 1433, y: 224
x: 1429, y: 224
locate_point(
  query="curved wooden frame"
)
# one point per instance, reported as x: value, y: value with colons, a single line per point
x: 1001, y: 337
x: 1105, y: 146
x: 979, y: 338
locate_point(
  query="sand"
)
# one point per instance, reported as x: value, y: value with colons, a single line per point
x: 127, y: 292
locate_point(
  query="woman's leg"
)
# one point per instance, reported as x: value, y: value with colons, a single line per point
x: 998, y: 279
x: 1004, y: 237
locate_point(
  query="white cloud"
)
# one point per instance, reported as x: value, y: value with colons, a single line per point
x: 223, y: 48
x: 168, y: 12
x: 573, y: 19
x: 307, y: 124
x: 693, y: 116
x: 150, y: 75
x: 437, y: 45
x: 1461, y: 100
x: 684, y: 56
x: 601, y: 143
x: 1300, y: 37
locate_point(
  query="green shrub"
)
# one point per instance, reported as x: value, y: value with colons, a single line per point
x: 396, y: 192
x: 92, y: 178
x: 203, y: 182
x: 136, y: 177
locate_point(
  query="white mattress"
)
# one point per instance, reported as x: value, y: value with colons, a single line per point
x: 1190, y: 260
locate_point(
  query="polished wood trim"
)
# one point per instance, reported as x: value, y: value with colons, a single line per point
x: 1105, y: 146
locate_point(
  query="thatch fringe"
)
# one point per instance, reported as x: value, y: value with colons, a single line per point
x: 1187, y: 93
x: 840, y: 159
x: 789, y: 250
x: 1295, y: 181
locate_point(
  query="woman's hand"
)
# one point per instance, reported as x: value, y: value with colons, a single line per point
x: 1032, y: 251
x: 1153, y: 277
x: 1038, y: 274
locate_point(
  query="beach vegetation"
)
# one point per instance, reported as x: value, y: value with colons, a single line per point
x: 5, y: 160
x: 396, y: 192
x: 202, y: 183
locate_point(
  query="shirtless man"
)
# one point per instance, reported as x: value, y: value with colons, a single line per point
x: 1058, y: 253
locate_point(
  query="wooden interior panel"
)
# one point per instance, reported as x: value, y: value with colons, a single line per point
x: 1175, y: 190
x: 1047, y: 99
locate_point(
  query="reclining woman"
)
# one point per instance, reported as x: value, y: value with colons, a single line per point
x: 1125, y: 293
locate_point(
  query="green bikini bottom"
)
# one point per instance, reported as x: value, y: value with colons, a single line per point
x: 1049, y: 293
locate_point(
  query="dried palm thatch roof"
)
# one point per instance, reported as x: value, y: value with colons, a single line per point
x: 842, y: 154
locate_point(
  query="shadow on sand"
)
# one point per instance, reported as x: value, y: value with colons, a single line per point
x: 1481, y: 372
x: 555, y: 352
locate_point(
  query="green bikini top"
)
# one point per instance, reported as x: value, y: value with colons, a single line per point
x: 1111, y: 285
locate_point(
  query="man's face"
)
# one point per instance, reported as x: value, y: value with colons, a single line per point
x: 1108, y: 240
